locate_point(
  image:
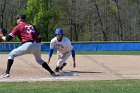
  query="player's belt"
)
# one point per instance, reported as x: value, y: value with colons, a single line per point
x: 29, y: 41
x: 68, y: 51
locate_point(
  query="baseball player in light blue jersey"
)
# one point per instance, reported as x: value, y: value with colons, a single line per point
x: 64, y: 49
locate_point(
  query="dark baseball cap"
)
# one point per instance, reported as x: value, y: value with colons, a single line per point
x: 22, y: 16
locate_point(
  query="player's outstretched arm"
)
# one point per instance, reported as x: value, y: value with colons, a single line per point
x: 5, y: 38
x: 74, y: 63
x: 50, y: 55
x: 49, y: 60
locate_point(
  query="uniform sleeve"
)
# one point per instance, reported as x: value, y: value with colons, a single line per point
x: 50, y: 52
x: 38, y: 34
x: 14, y: 31
x: 52, y: 44
x: 69, y: 43
x: 73, y: 53
x: 51, y: 48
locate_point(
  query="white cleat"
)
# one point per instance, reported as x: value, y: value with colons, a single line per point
x: 4, y: 75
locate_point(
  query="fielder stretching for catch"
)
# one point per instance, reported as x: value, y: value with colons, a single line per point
x: 64, y: 49
x: 30, y: 39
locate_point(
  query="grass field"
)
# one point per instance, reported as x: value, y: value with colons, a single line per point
x: 103, y: 86
x: 91, y: 86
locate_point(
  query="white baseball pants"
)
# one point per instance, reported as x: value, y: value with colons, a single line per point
x: 62, y: 57
x: 28, y: 47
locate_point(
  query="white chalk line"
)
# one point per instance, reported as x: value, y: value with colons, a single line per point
x: 129, y: 75
x: 34, y: 79
x: 31, y: 79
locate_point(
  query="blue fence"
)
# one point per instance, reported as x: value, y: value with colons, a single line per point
x: 91, y: 46
x: 107, y: 46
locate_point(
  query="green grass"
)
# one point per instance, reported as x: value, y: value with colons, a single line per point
x: 103, y: 86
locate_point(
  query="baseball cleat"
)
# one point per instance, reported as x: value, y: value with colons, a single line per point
x: 5, y: 75
x: 64, y: 64
x: 57, y: 69
x: 54, y: 75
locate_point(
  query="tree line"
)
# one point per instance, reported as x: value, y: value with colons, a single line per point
x: 81, y: 20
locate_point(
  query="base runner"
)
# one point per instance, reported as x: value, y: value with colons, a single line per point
x: 64, y: 49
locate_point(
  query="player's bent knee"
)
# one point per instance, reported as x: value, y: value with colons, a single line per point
x: 11, y: 56
x: 40, y: 62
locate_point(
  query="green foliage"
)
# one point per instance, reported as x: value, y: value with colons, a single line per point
x: 40, y: 14
x: 113, y: 8
x: 131, y: 2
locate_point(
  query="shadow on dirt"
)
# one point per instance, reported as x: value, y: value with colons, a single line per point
x: 67, y: 74
x: 84, y: 72
x: 74, y: 73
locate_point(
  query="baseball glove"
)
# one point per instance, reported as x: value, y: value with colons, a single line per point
x: 3, y: 31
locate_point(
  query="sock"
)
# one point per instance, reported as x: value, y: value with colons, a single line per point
x: 45, y: 65
x: 9, y: 64
x: 57, y: 69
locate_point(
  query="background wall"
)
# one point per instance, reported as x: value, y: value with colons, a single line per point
x: 84, y: 46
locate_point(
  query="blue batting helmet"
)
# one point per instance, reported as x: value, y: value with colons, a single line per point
x: 58, y: 31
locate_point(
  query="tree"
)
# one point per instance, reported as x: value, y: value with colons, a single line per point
x: 81, y: 20
x: 41, y: 14
x: 2, y: 11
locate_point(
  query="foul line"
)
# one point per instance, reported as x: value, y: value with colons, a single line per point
x: 35, y: 79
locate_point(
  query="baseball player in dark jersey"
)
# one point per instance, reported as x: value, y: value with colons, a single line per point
x: 30, y: 39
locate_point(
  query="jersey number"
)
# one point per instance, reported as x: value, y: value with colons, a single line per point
x: 30, y: 28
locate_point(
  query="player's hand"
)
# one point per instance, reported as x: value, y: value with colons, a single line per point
x: 1, y: 35
x: 48, y: 62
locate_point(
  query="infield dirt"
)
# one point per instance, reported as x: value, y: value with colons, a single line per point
x: 89, y: 67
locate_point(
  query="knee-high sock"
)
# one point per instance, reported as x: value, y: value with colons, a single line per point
x: 9, y: 65
x: 45, y: 65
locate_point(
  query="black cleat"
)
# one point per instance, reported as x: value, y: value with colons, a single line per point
x: 64, y: 64
x: 57, y: 69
